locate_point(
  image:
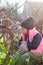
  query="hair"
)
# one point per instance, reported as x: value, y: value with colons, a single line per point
x: 28, y: 23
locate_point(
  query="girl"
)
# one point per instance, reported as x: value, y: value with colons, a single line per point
x: 31, y: 40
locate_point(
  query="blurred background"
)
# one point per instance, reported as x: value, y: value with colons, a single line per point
x: 15, y: 11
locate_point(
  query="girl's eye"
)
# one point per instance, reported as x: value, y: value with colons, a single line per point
x: 23, y: 28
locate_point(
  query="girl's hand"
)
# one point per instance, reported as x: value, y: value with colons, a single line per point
x: 24, y: 42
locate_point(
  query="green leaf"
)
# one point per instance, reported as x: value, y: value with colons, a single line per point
x: 15, y: 39
x: 1, y: 40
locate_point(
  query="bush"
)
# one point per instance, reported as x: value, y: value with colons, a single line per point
x: 16, y: 58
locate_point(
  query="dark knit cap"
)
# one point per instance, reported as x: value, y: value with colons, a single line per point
x: 28, y: 23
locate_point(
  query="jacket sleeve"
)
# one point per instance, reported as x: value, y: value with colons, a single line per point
x: 36, y: 41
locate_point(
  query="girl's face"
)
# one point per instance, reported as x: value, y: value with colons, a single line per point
x: 25, y: 31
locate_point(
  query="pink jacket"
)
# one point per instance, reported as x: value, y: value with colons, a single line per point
x: 32, y: 33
